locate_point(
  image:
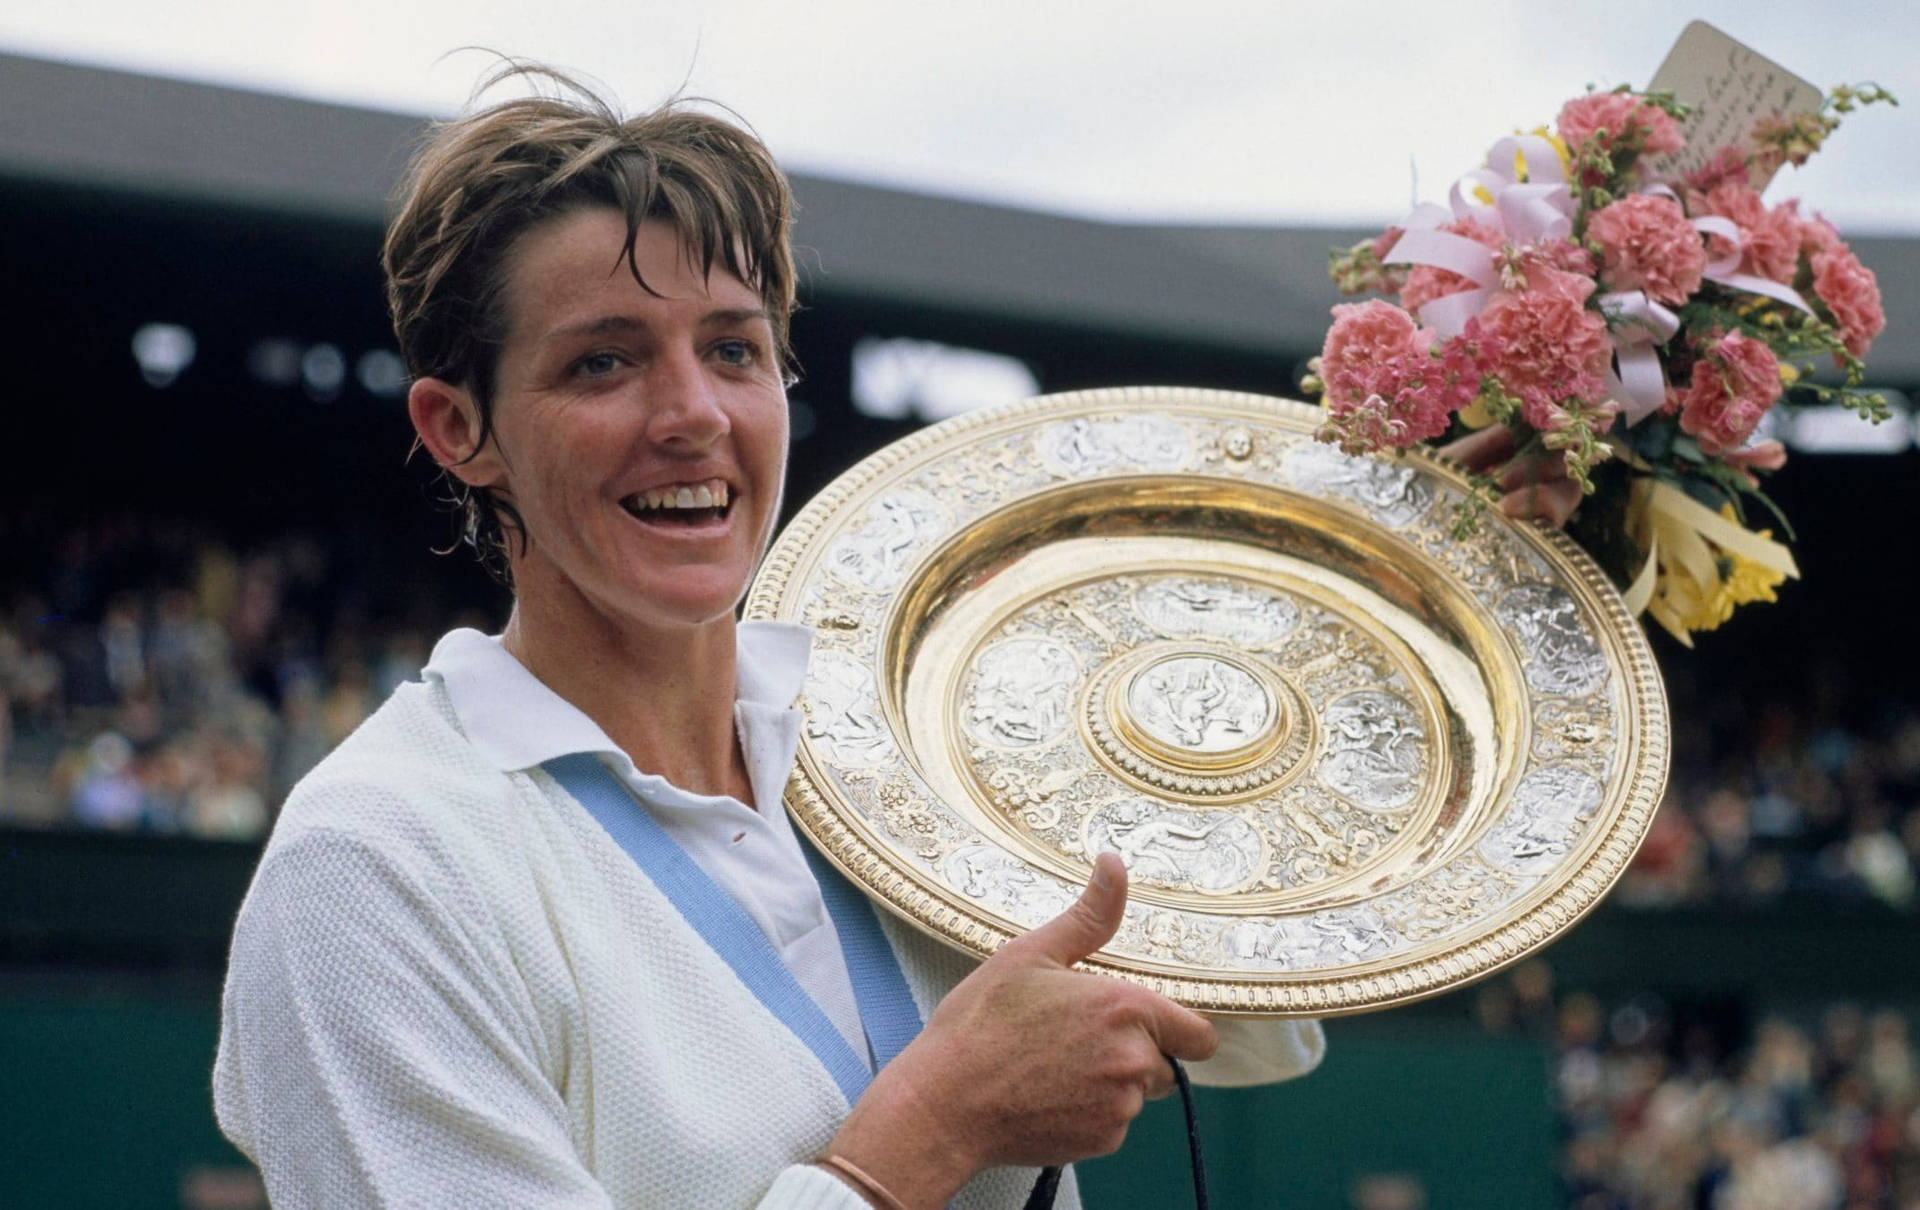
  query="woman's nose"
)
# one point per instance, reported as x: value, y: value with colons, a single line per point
x: 683, y: 402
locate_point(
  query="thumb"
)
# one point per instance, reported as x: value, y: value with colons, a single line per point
x: 1092, y: 920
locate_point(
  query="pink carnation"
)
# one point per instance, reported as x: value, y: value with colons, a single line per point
x: 1817, y: 235
x: 1769, y: 239
x: 1544, y: 279
x: 1735, y: 381
x: 1852, y: 294
x: 1727, y: 164
x: 1365, y: 340
x: 1630, y: 124
x: 1444, y: 382
x: 1646, y: 243
x: 1550, y: 347
x: 1385, y: 386
x: 1562, y: 254
x: 1426, y: 283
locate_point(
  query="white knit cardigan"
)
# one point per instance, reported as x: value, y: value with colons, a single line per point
x: 450, y: 987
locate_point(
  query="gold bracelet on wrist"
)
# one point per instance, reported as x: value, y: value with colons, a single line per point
x: 874, y: 1190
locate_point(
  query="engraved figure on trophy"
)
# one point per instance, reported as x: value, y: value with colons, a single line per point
x: 1003, y: 882
x: 1198, y: 703
x: 1549, y: 810
x: 1394, y: 492
x: 1023, y: 694
x: 1576, y: 731
x: 1277, y: 942
x: 1175, y: 935
x: 1450, y: 899
x: 876, y: 555
x: 1353, y: 934
x: 1083, y: 446
x: 1208, y: 851
x: 1560, y: 654
x: 843, y: 710
x: 1236, y: 614
x: 1330, y: 938
x: 1373, y: 750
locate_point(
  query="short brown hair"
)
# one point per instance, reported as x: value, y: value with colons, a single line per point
x: 480, y: 182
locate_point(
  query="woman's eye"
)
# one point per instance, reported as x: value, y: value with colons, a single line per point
x: 594, y: 365
x: 736, y: 352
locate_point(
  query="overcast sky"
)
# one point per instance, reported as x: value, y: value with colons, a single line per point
x: 1179, y: 110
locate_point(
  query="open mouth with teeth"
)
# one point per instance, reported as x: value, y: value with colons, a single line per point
x: 687, y: 504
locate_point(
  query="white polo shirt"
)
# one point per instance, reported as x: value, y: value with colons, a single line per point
x: 516, y: 722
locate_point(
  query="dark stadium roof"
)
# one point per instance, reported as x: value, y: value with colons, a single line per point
x: 1256, y: 288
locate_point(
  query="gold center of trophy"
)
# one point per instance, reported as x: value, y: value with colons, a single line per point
x: 1199, y: 711
x: 1195, y: 720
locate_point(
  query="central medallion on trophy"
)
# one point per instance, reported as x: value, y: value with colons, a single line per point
x: 1204, y: 710
x: 1195, y: 719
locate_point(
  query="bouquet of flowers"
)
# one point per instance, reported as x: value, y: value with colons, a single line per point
x: 1629, y: 329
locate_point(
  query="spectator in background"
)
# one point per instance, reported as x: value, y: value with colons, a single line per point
x: 191, y: 659
x: 349, y: 702
x: 1811, y: 1111
x: 303, y: 734
x: 174, y: 642
x: 227, y: 805
x: 108, y: 795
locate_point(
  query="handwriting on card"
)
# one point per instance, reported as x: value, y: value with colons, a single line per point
x: 1731, y: 87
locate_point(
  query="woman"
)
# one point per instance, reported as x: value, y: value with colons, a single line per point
x: 455, y: 980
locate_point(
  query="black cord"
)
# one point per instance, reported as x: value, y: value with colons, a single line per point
x: 1043, y: 1189
x: 1048, y: 1185
x: 1193, y: 1137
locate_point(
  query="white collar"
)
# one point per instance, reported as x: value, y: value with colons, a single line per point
x: 514, y: 721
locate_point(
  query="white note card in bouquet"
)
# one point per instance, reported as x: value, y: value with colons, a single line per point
x: 1729, y: 88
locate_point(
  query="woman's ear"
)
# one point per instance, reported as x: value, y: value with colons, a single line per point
x: 448, y: 421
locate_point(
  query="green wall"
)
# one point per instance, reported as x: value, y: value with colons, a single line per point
x: 111, y: 950
x: 1467, y: 1117
x: 105, y: 1102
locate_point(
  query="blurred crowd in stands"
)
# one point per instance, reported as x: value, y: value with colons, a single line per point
x: 1802, y: 789
x: 157, y: 678
x: 154, y: 678
x: 1711, y: 1106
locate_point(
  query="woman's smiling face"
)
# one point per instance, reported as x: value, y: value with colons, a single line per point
x: 641, y: 436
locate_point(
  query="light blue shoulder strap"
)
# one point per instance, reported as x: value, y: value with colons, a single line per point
x: 880, y: 989
x: 887, y: 1009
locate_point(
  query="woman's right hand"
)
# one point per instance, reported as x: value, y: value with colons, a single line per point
x: 1026, y: 1061
x: 1535, y: 487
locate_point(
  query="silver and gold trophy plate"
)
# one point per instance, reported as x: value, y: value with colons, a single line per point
x: 1349, y: 758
